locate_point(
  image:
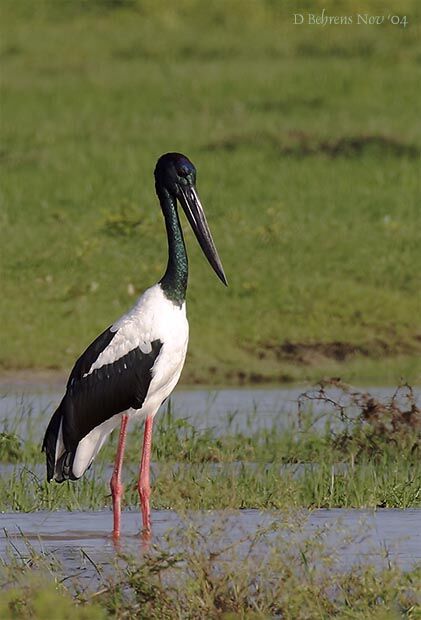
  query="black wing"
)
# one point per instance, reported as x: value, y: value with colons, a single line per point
x: 111, y: 389
x: 92, y: 399
x: 90, y: 356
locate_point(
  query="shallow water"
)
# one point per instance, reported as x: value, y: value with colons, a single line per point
x: 354, y: 536
x: 28, y: 407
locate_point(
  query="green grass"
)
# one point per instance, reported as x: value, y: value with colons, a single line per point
x: 392, y: 482
x: 307, y: 145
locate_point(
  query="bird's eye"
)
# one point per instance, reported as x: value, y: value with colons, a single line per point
x: 183, y: 171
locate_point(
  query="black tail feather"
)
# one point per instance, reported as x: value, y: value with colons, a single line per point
x: 64, y: 467
x: 50, y: 441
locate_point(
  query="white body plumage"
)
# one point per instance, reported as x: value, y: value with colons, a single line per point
x: 153, y: 317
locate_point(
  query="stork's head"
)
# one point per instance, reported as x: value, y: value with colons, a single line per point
x: 174, y: 170
x: 175, y: 174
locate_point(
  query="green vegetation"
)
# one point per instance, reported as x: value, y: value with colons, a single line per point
x: 391, y: 483
x: 307, y: 142
x: 295, y: 580
x: 372, y: 460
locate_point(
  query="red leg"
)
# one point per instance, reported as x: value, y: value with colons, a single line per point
x: 143, y: 483
x: 115, y: 482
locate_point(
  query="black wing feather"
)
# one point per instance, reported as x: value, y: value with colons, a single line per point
x: 50, y: 441
x: 92, y: 399
x: 90, y: 356
x: 106, y: 391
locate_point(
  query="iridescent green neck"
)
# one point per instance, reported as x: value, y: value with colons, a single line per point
x: 174, y: 281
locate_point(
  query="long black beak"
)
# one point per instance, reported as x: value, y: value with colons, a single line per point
x: 194, y: 211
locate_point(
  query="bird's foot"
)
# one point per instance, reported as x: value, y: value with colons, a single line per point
x: 115, y: 537
x: 145, y: 539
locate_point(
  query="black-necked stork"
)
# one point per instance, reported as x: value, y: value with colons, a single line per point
x: 133, y: 366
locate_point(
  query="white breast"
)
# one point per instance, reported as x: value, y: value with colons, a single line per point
x: 153, y: 317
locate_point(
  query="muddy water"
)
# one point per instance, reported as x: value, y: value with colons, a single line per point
x: 354, y: 536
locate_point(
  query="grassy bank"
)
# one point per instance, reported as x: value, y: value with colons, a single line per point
x: 308, y: 151
x: 391, y: 483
